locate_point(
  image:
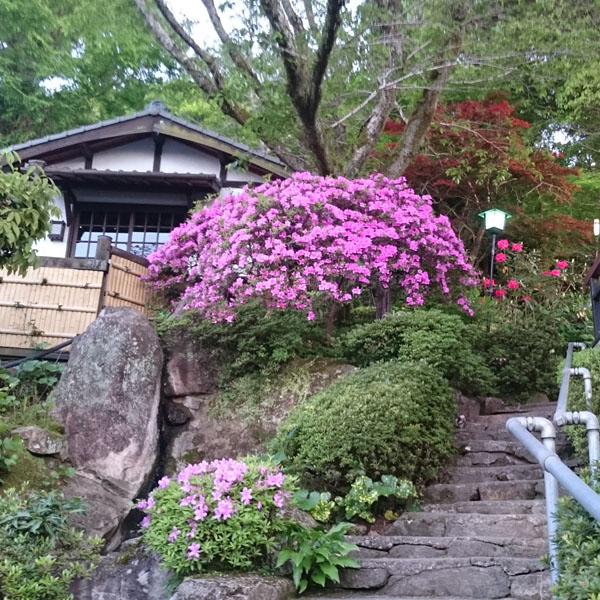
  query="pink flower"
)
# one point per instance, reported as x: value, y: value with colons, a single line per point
x: 500, y: 257
x: 517, y: 247
x: 174, y: 534
x: 513, y: 285
x: 193, y: 550
x: 145, y: 522
x: 502, y: 244
x: 500, y: 293
x: 259, y: 505
x: 526, y: 298
x: 246, y: 495
x: 486, y: 281
x: 562, y: 264
x: 278, y: 500
x: 225, y: 510
x: 164, y: 482
x: 555, y: 273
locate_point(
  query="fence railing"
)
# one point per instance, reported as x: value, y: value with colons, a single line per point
x: 59, y: 299
x: 555, y: 471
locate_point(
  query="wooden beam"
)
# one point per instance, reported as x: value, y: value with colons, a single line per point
x: 159, y: 141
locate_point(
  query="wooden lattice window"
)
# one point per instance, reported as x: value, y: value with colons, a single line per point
x: 139, y: 230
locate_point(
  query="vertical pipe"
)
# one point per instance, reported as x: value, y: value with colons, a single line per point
x: 551, y: 493
x: 492, y: 264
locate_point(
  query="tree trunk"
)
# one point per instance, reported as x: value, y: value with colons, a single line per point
x: 383, y: 302
x: 333, y: 313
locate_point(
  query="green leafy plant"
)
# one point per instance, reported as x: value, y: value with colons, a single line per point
x: 26, y: 208
x: 319, y: 504
x: 9, y: 452
x: 365, y: 494
x: 390, y: 418
x: 316, y: 554
x: 578, y: 551
x: 219, y: 516
x: 40, y: 554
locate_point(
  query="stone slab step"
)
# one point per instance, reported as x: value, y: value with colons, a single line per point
x: 502, y: 473
x: 444, y: 524
x: 491, y: 507
x: 494, y: 406
x: 475, y: 577
x: 500, y: 419
x: 528, y: 489
x: 366, y: 596
x: 475, y: 431
x: 385, y: 546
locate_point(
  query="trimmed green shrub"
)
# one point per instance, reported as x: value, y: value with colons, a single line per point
x: 578, y: 544
x: 522, y: 355
x: 419, y: 334
x: 390, y: 418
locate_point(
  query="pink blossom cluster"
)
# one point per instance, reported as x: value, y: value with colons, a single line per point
x: 557, y: 271
x: 211, y: 490
x: 296, y: 240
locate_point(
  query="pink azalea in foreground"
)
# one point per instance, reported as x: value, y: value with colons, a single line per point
x: 174, y: 534
x: 246, y: 496
x: 516, y: 247
x: 502, y: 244
x: 193, y: 550
x: 486, y: 281
x: 555, y: 273
x: 500, y: 257
x: 500, y: 293
x: 562, y: 264
x: 164, y: 482
x: 513, y: 285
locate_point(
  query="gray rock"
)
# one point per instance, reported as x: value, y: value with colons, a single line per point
x: 243, y: 587
x: 41, y: 442
x: 189, y: 368
x: 107, y: 400
x: 131, y: 574
x: 363, y: 579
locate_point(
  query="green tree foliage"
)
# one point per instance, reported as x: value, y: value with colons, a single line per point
x: 68, y: 62
x: 26, y: 208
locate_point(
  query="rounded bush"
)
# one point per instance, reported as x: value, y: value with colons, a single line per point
x: 412, y: 335
x: 390, y: 418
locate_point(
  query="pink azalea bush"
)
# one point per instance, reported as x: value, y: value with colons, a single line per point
x: 219, y: 515
x: 305, y: 239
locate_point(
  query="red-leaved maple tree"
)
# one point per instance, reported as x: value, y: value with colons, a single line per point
x: 474, y: 158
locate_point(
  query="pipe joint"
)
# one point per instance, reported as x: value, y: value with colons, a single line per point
x: 543, y: 426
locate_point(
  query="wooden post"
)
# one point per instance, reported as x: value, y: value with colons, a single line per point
x: 103, y: 247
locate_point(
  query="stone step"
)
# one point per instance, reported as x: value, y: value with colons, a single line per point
x: 501, y: 418
x: 474, y: 577
x: 477, y: 432
x: 387, y: 546
x: 491, y: 507
x: 495, y: 406
x: 444, y: 524
x: 327, y: 595
x: 502, y: 473
x: 528, y: 489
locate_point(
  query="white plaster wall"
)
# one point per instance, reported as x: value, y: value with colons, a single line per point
x: 46, y: 247
x: 73, y: 163
x: 230, y: 192
x: 245, y: 176
x: 135, y: 156
x: 179, y: 158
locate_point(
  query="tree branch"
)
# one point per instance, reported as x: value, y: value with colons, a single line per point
x: 293, y: 18
x: 232, y: 49
x: 310, y: 15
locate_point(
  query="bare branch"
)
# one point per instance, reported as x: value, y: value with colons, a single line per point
x: 310, y: 15
x: 293, y: 18
x: 232, y: 49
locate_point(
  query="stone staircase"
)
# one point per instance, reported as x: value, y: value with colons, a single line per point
x: 482, y: 530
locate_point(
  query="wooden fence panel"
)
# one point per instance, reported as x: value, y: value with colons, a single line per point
x: 123, y: 284
x: 49, y: 304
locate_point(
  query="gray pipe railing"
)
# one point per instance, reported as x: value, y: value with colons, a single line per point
x: 555, y: 472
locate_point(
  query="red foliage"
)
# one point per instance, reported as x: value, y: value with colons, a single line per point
x: 475, y: 156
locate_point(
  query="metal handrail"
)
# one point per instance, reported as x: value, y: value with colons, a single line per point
x: 555, y: 472
x: 37, y: 354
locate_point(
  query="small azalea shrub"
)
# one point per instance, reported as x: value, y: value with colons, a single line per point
x: 217, y: 516
x: 392, y: 418
x: 413, y: 335
x: 307, y: 241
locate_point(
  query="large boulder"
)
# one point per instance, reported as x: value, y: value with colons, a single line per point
x: 108, y: 402
x: 205, y: 426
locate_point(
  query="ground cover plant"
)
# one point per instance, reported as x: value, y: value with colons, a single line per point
x: 40, y: 553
